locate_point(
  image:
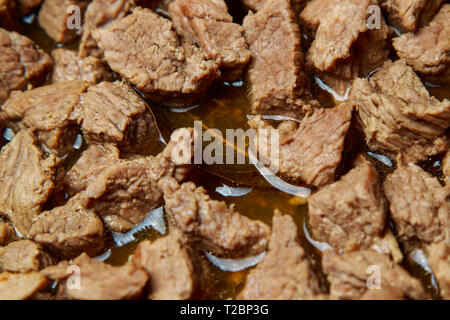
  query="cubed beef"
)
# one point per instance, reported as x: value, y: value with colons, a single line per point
x: 446, y: 167
x: 313, y: 11
x: 27, y: 180
x: 350, y: 274
x: 23, y: 256
x: 276, y: 74
x: 428, y: 50
x: 50, y: 111
x: 310, y: 151
x: 256, y: 5
x: 385, y: 293
x: 68, y: 66
x: 398, y: 115
x: 20, y: 286
x: 285, y: 272
x: 54, y: 18
x: 158, y: 63
x: 174, y: 271
x: 22, y: 61
x: 211, y: 225
x: 410, y: 15
x: 7, y: 234
x: 98, y: 280
x: 439, y: 261
x: 113, y: 113
x: 211, y: 27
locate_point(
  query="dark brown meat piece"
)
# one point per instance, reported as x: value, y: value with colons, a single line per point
x: 310, y: 151
x: 276, y: 74
x: 285, y: 272
x: 439, y: 261
x: 27, y: 180
x: 7, y: 234
x: 158, y: 64
x: 397, y: 114
x: 174, y: 271
x: 410, y: 15
x: 23, y: 256
x: 210, y: 26
x: 98, y: 280
x: 68, y: 66
x: 428, y: 51
x: 22, y: 61
x: 50, y: 111
x: 113, y: 113
x: 211, y: 225
x: 7, y: 8
x: 350, y: 274
x: 26, y: 7
x: 256, y: 5
x: 54, y: 17
x: 20, y: 286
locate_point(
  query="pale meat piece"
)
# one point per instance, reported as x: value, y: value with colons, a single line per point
x: 23, y: 63
x: 7, y: 234
x: 49, y: 111
x: 313, y: 11
x: 312, y: 150
x: 351, y: 273
x: 210, y: 26
x: 428, y: 50
x: 20, y: 286
x: 277, y: 79
x: 113, y: 113
x: 285, y: 272
x: 159, y: 64
x: 98, y: 280
x: 446, y: 167
x: 68, y: 66
x: 211, y: 225
x: 439, y: 261
x: 23, y: 256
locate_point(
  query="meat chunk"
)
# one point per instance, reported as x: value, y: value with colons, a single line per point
x: 23, y: 256
x: 256, y: 5
x: 68, y: 66
x: 428, y: 51
x: 7, y: 20
x: 211, y: 27
x: 7, y: 234
x: 439, y: 261
x: 98, y: 280
x: 276, y: 74
x: 113, y: 113
x: 20, y: 286
x: 56, y: 16
x: 69, y: 230
x: 23, y: 63
x: 285, y: 272
x: 397, y: 114
x: 27, y: 6
x: 410, y: 15
x: 310, y: 151
x: 211, y: 225
x: 157, y: 64
x: 174, y: 271
x: 446, y: 167
x: 351, y: 273
x: 27, y: 180
x: 50, y: 111
x: 313, y: 11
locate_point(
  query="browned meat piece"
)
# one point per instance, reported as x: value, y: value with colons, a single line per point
x: 22, y: 61
x: 69, y: 230
x: 54, y: 16
x: 94, y: 160
x: 428, y: 51
x: 446, y: 167
x: 211, y: 27
x: 439, y: 260
x: 27, y: 180
x: 174, y: 271
x: 350, y: 274
x: 113, y: 113
x: 211, y: 225
x: 285, y: 272
x: 256, y: 5
x: 23, y: 256
x: 20, y: 286
x: 276, y: 75
x: 68, y: 66
x: 7, y: 234
x: 313, y: 11
x: 310, y: 151
x: 49, y: 111
x: 397, y: 114
x: 98, y: 280
x: 158, y: 64
x: 386, y: 293
x: 350, y: 214
x: 410, y: 15
x: 419, y: 205
x: 7, y: 8
x: 27, y: 6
